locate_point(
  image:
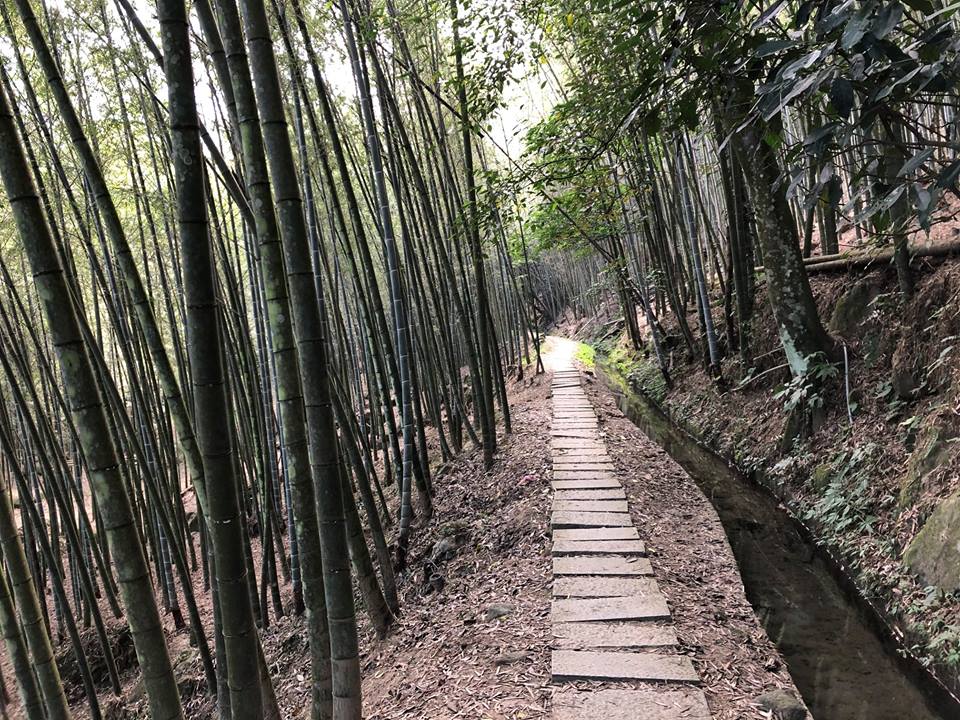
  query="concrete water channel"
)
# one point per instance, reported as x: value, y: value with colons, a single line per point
x: 840, y: 659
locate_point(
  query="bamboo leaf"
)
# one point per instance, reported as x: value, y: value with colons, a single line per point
x: 842, y: 96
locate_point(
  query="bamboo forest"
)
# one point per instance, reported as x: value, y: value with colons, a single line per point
x: 480, y: 359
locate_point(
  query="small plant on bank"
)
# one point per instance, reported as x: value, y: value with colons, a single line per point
x: 807, y: 390
x: 946, y: 644
x: 845, y: 504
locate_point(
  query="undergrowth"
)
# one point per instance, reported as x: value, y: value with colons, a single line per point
x: 585, y: 354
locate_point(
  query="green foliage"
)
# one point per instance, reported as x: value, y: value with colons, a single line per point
x: 843, y: 507
x: 548, y: 226
x: 493, y: 47
x: 874, y: 57
x: 807, y: 390
x: 641, y: 373
x: 586, y: 355
x: 845, y: 69
x: 946, y: 644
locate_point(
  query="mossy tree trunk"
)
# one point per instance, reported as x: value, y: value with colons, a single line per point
x: 802, y: 334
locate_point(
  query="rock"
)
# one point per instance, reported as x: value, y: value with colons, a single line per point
x: 459, y: 530
x: 903, y: 376
x: 852, y: 308
x: 820, y: 476
x: 933, y: 448
x: 782, y: 704
x: 497, y: 611
x: 509, y: 658
x: 445, y: 549
x: 934, y: 554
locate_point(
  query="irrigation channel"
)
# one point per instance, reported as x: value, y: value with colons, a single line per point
x: 839, y: 656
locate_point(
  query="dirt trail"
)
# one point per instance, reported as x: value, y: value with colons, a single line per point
x: 448, y: 660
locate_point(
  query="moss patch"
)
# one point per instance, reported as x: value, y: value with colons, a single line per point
x: 934, y: 553
x: 934, y: 448
x: 639, y: 372
x: 586, y: 354
x: 853, y: 307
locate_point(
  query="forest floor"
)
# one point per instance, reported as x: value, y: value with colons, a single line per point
x: 447, y: 656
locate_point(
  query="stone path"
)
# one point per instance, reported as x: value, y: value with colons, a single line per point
x: 610, y: 621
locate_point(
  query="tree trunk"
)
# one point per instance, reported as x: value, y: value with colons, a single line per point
x: 802, y: 334
x: 89, y: 414
x: 210, y: 393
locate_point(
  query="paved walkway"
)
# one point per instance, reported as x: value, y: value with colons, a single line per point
x: 610, y: 621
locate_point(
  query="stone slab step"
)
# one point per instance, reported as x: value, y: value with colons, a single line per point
x: 595, y: 451
x: 572, y: 455
x: 580, y: 474
x: 589, y: 471
x: 603, y: 586
x: 585, y: 433
x: 563, y: 443
x: 601, y: 494
x: 573, y: 461
x: 618, y: 506
x: 573, y: 665
x: 645, y: 704
x: 606, y: 533
x: 598, y: 547
x: 614, y: 635
x: 578, y: 482
x: 601, y: 565
x: 572, y: 425
x: 627, y: 607
x: 589, y: 519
